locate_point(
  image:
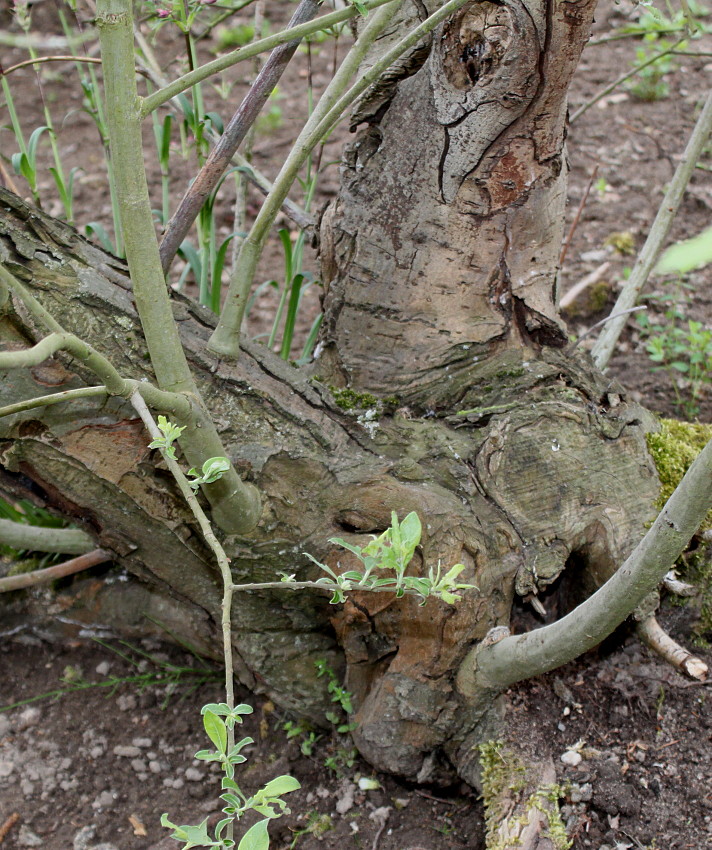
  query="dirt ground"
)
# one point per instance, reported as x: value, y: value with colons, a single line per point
x: 97, y: 767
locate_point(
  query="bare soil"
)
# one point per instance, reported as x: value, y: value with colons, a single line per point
x: 97, y: 767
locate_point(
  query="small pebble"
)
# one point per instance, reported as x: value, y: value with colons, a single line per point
x: 127, y: 702
x: 144, y: 743
x: 103, y: 668
x: 104, y: 800
x: 571, y: 758
x: 29, y: 717
x: 6, y: 768
x: 192, y: 774
x: 139, y: 765
x: 27, y: 838
x: 127, y: 752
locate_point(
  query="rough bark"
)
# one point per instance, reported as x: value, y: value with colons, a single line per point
x: 440, y: 258
x: 442, y: 246
x: 549, y: 471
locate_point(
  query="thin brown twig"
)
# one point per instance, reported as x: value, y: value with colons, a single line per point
x: 68, y: 568
x: 221, y: 155
x: 8, y: 825
x: 41, y: 59
x: 574, y: 223
x: 7, y: 179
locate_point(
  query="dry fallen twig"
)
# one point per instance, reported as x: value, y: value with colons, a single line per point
x: 654, y: 636
x: 75, y: 565
x: 8, y: 825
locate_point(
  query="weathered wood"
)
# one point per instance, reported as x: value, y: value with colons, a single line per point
x: 442, y: 246
x: 548, y: 468
x: 522, y: 461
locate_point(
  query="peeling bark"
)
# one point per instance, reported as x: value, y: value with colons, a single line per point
x: 430, y: 268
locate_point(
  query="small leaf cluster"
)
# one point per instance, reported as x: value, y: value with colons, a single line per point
x: 339, y: 695
x: 170, y: 433
x: 212, y: 469
x: 385, y: 560
x: 218, y: 719
x: 683, y: 348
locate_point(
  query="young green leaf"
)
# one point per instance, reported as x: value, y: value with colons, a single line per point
x: 216, y: 731
x: 281, y: 785
x: 194, y: 836
x: 256, y: 837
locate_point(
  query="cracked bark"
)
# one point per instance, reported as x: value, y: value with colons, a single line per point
x: 428, y: 268
x: 522, y: 461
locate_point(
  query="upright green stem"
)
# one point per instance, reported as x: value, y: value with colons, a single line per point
x: 60, y: 178
x: 236, y: 506
x: 606, y: 343
x: 225, y: 339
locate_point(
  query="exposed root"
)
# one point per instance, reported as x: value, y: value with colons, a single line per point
x: 521, y: 802
x: 654, y: 636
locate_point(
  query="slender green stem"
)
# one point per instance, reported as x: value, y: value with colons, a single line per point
x: 19, y: 136
x: 153, y: 101
x: 225, y: 339
x: 54, y: 398
x: 40, y: 60
x: 606, y: 343
x: 212, y: 541
x: 236, y: 505
x: 175, y: 403
x: 325, y: 588
x: 60, y: 178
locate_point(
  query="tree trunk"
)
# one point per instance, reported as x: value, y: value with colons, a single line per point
x: 521, y: 460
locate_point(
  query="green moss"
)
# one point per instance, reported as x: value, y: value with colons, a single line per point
x: 348, y: 399
x: 509, y: 373
x: 673, y: 449
x: 28, y: 565
x: 319, y: 824
x: 598, y: 296
x: 501, y: 771
x: 504, y: 775
x: 621, y: 241
x: 546, y: 800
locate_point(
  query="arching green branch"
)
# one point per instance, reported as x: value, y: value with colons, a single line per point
x: 517, y: 657
x: 52, y: 398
